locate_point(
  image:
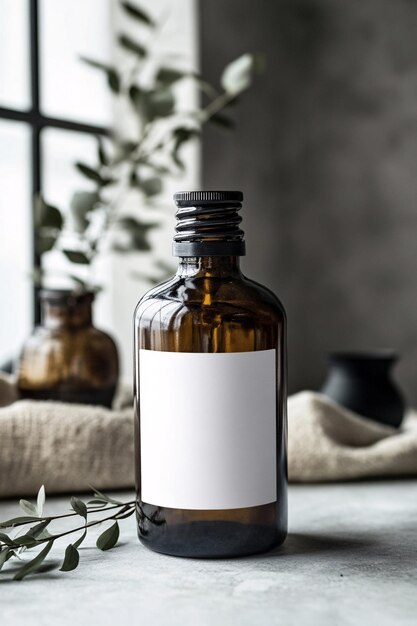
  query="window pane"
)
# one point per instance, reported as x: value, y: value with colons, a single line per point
x: 15, y: 238
x: 14, y: 54
x: 61, y: 150
x: 69, y: 88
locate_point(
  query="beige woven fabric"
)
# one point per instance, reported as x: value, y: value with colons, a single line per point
x: 328, y: 443
x: 69, y: 447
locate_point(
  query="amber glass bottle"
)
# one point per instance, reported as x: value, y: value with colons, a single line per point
x: 66, y: 358
x: 210, y: 395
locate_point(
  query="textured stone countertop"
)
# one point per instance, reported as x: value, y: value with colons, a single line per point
x: 350, y: 559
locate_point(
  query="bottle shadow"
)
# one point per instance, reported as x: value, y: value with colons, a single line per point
x: 303, y: 544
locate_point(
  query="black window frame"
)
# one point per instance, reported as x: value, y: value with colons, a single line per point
x: 37, y: 122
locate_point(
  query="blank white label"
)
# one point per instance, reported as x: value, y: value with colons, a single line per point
x: 208, y: 429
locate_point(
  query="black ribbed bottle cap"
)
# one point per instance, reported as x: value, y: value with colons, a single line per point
x: 208, y: 224
x: 190, y: 198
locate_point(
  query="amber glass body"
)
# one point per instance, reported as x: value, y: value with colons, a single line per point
x: 210, y: 306
x: 66, y: 358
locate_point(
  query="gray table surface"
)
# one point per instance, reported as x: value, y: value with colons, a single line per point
x: 350, y: 559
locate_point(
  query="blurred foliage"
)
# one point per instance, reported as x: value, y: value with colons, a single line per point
x: 147, y: 85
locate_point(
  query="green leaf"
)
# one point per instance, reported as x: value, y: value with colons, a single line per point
x: 178, y: 161
x: 127, y: 147
x: 26, y: 540
x: 126, y: 513
x: 138, y: 13
x: 238, y: 75
x: 170, y: 75
x: 132, y: 46
x: 82, y: 203
x: 222, y: 120
x: 28, y: 507
x: 181, y: 135
x: 45, y: 242
x: 138, y: 232
x: 71, y: 559
x: 108, y: 539
x: 38, y: 530
x: 7, y: 540
x: 132, y: 225
x: 133, y: 179
x: 79, y: 507
x: 141, y: 244
x: 104, y: 497
x: 45, y: 534
x: 160, y: 103
x: 102, y: 156
x: 97, y: 503
x: 89, y: 172
x: 46, y: 215
x: 152, y: 104
x: 136, y: 97
x: 5, y: 555
x: 113, y: 78
x: 34, y: 564
x: 40, y: 502
x: 151, y: 186
x: 113, y: 81
x: 159, y: 169
x: 96, y: 64
x: 18, y: 520
x: 76, y: 256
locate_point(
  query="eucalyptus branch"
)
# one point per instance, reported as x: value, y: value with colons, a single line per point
x: 203, y: 116
x: 52, y: 518
x: 115, y: 516
x: 38, y: 534
x: 153, y: 101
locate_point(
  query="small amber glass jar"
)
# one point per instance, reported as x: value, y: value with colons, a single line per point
x: 66, y: 358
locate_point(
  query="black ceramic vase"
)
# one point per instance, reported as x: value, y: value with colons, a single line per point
x: 361, y: 382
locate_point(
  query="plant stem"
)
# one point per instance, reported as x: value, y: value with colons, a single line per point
x: 93, y: 510
x: 217, y: 105
x: 84, y: 527
x: 74, y: 530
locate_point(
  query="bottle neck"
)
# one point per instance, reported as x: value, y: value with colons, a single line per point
x: 59, y: 316
x: 209, y: 266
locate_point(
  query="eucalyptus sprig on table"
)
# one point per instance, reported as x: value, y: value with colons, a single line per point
x: 145, y: 84
x: 38, y: 535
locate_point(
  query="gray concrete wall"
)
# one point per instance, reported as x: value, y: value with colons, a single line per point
x: 326, y: 153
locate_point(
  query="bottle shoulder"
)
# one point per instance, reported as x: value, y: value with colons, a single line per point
x: 234, y: 294
x: 90, y: 338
